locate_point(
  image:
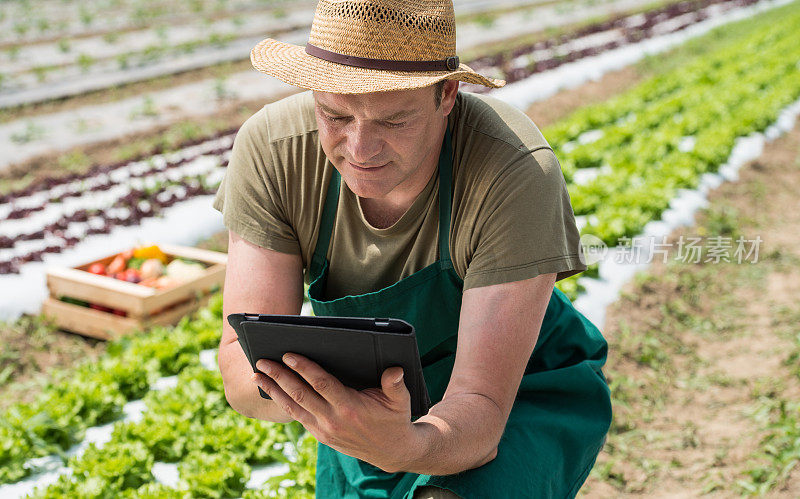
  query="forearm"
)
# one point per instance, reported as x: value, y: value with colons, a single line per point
x: 459, y: 433
x: 240, y: 390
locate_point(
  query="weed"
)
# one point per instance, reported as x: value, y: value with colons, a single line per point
x: 722, y: 220
x: 778, y: 453
x: 74, y: 161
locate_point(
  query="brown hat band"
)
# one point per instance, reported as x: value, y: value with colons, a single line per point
x: 449, y: 64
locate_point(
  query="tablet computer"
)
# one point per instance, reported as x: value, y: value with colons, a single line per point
x: 353, y: 349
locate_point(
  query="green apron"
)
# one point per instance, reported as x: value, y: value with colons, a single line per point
x: 562, y: 411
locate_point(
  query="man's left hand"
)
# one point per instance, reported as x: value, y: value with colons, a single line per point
x: 373, y: 425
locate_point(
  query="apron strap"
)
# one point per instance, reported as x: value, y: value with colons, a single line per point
x: 328, y: 217
x: 445, y: 196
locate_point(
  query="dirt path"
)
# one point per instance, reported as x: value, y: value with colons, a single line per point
x: 704, y: 356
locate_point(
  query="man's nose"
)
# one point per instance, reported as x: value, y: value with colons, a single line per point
x: 363, y: 143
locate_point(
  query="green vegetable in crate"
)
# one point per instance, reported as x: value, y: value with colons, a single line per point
x: 136, y: 263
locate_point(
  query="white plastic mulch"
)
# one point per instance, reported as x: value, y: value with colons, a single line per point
x: 59, y: 131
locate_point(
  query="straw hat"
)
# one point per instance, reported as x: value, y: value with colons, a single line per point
x: 360, y: 46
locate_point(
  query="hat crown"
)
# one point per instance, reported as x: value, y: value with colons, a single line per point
x: 397, y: 30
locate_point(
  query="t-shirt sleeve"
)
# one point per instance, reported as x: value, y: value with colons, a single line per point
x: 250, y: 195
x: 526, y: 226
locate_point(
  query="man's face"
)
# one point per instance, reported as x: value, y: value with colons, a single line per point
x: 383, y: 143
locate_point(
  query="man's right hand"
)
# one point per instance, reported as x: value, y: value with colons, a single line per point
x: 257, y: 281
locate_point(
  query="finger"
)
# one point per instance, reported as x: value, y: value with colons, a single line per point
x: 325, y: 384
x: 284, y: 401
x: 294, y: 386
x: 394, y: 387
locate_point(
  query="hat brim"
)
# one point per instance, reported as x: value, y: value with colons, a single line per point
x: 291, y: 64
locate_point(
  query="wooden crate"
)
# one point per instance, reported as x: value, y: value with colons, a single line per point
x: 144, y: 306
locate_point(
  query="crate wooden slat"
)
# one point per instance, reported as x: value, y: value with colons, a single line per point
x: 144, y: 306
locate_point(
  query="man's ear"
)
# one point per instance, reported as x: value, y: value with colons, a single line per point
x: 449, y: 96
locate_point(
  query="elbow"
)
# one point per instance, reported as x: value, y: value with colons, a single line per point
x: 233, y: 402
x: 488, y: 458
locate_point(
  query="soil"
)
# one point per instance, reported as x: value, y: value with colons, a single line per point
x: 546, y: 112
x: 32, y: 349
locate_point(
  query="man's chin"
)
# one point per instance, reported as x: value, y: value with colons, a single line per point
x: 366, y: 189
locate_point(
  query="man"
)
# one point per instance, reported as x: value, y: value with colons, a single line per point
x: 397, y: 196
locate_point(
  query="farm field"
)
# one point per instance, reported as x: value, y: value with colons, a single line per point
x: 656, y: 114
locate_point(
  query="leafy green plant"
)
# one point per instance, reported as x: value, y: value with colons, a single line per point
x: 86, y: 17
x: 123, y: 61
x: 85, y: 61
x: 64, y: 45
x: 42, y: 24
x: 213, y: 475
x: 41, y: 72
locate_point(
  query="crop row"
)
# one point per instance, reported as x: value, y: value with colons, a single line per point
x: 591, y: 40
x: 637, y: 147
x: 49, y: 221
x: 189, y: 424
x: 626, y: 159
x: 29, y: 23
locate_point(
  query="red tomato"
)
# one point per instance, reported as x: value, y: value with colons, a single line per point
x: 99, y: 307
x: 121, y: 313
x: 97, y: 268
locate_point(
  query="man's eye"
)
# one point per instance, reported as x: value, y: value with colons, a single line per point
x: 335, y: 118
x: 391, y: 124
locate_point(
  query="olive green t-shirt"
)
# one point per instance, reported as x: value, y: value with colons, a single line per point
x: 511, y: 213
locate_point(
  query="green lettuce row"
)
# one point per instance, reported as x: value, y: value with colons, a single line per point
x: 654, y: 133
x: 95, y: 392
x: 646, y: 172
x: 661, y: 87
x: 640, y: 140
x: 191, y: 424
x: 622, y: 203
x: 302, y: 473
x: 103, y: 472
